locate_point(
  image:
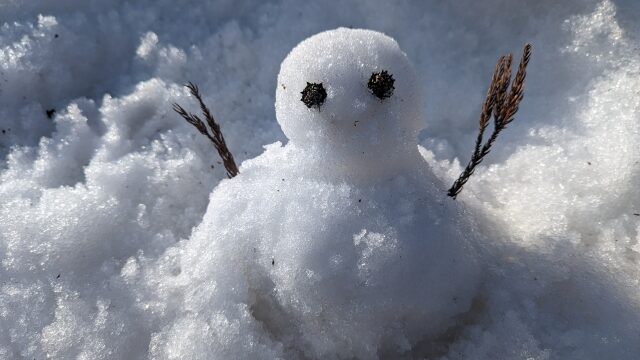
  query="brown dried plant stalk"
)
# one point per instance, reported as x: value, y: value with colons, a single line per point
x: 213, y: 132
x: 503, y: 103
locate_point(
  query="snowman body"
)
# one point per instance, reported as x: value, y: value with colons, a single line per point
x: 344, y: 230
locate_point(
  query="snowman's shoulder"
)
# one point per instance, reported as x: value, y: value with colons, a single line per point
x: 264, y: 182
x: 254, y: 172
x: 273, y: 154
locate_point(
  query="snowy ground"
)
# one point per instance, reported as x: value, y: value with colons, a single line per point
x: 98, y: 200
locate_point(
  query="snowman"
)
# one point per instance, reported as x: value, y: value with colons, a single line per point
x: 341, y: 243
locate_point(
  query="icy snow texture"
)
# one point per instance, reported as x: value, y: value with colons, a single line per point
x: 106, y: 193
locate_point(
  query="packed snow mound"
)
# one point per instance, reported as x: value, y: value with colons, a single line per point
x: 317, y: 261
x: 389, y: 257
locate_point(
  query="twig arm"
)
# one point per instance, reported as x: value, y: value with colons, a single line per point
x: 500, y: 102
x: 213, y: 132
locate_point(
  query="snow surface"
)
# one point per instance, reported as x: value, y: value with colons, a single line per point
x: 98, y: 205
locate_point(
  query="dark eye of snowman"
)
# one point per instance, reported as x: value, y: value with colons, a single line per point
x: 381, y: 84
x: 313, y: 94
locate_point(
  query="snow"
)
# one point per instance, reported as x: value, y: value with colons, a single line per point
x: 105, y: 242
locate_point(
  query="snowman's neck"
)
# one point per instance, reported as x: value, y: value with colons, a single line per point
x: 345, y: 162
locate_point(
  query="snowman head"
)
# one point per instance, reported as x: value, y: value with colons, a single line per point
x: 352, y: 90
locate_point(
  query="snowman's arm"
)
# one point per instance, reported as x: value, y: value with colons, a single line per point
x: 500, y: 102
x: 213, y: 133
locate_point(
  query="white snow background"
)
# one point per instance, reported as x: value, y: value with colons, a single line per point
x: 98, y: 203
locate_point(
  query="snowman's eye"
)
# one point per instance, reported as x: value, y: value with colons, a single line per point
x: 381, y: 84
x: 313, y: 95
